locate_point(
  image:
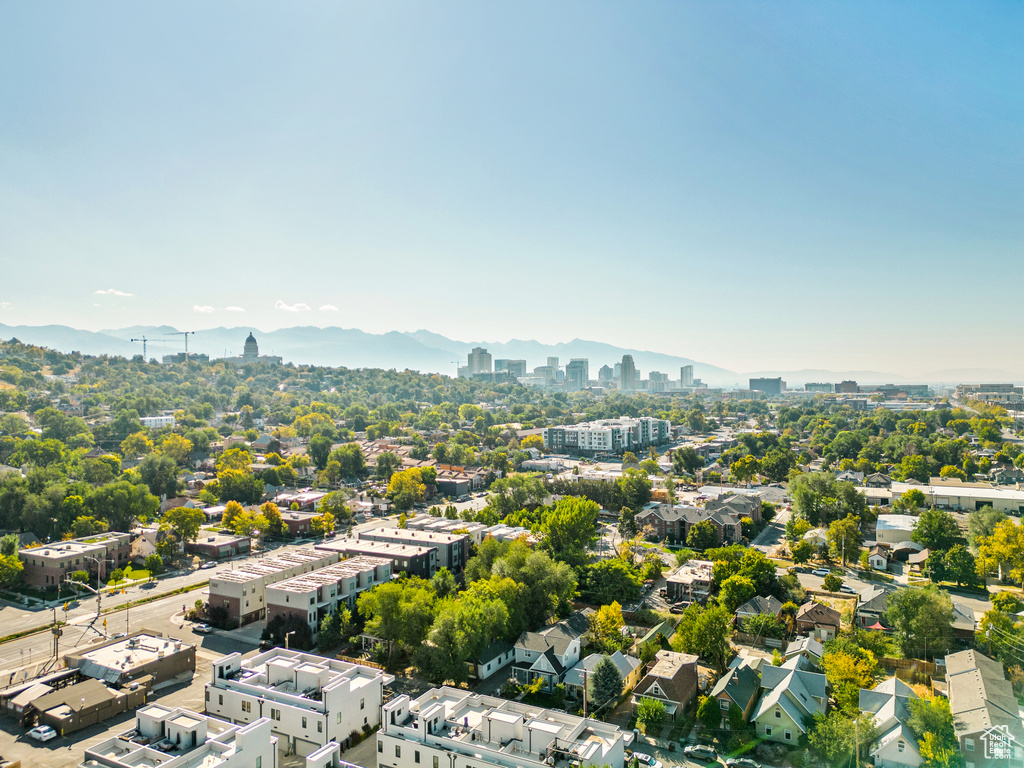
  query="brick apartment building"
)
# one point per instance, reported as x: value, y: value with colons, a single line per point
x: 48, y: 564
x: 452, y: 548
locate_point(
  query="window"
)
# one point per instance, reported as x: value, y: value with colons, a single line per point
x: 364, y: 721
x: 969, y: 745
x: 259, y: 761
x: 275, y: 714
x: 398, y: 751
x: 900, y: 746
x: 362, y: 703
x: 380, y: 747
x: 220, y: 699
x: 778, y: 713
x: 723, y: 703
x: 788, y: 735
x: 416, y: 756
x: 767, y: 730
x: 303, y: 722
x: 435, y: 761
x: 319, y: 726
x: 339, y: 717
x: 207, y: 695
x: 246, y: 706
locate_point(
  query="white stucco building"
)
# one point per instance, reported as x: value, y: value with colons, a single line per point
x: 310, y: 700
x: 452, y: 728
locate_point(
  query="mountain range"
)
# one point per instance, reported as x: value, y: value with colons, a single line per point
x: 426, y: 351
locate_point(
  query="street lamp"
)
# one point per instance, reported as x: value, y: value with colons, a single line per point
x: 287, y: 635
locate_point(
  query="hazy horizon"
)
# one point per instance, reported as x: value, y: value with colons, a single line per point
x: 758, y: 186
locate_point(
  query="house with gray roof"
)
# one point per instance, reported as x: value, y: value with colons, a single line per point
x: 672, y: 680
x: 737, y: 505
x: 740, y: 686
x: 758, y: 605
x: 888, y: 703
x: 870, y: 606
x: 552, y: 651
x: 790, y: 699
x: 575, y: 679
x: 806, y: 647
x: 986, y: 716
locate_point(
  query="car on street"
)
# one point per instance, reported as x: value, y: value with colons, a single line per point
x: 644, y: 759
x: 119, y: 635
x: 42, y: 733
x: 701, y: 752
x: 742, y: 762
x: 821, y: 572
x: 202, y: 629
x: 207, y: 566
x: 848, y: 589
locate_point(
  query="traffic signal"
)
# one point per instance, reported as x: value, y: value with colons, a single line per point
x: 104, y: 623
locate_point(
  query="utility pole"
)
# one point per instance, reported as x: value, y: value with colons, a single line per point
x: 584, y: 693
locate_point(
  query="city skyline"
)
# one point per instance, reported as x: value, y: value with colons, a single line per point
x: 772, y: 187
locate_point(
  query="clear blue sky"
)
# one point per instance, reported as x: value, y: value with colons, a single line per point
x: 751, y: 184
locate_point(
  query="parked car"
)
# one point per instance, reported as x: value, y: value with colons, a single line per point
x: 821, y: 572
x: 848, y: 589
x: 701, y: 752
x: 742, y: 762
x: 207, y: 566
x: 663, y: 591
x: 42, y: 733
x: 202, y: 629
x: 119, y: 635
x: 645, y: 759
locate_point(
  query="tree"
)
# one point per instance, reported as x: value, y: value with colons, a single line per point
x: 820, y: 499
x: 532, y: 441
x: 239, y: 485
x: 292, y: 626
x: 650, y: 715
x: 848, y: 668
x: 154, y: 564
x: 832, y: 737
x: 608, y: 580
x: 628, y: 457
x: 832, y: 583
x: 709, y: 713
x: 765, y: 625
x: 160, y: 474
x: 334, y: 628
x: 185, y: 522
x: 319, y: 450
x: 627, y: 523
x: 1003, y: 551
x: 399, y: 611
x: 122, y: 503
x: 10, y: 569
x: 960, y: 564
x: 444, y: 583
x: 571, y: 528
x: 844, y: 538
x: 686, y: 461
x: 231, y: 510
x: 9, y: 545
x: 177, y: 448
x: 635, y: 487
x: 702, y: 535
x: 387, y: 464
x: 705, y: 632
x: 322, y: 524
x: 247, y: 523
x: 744, y: 469
x: 736, y: 590
x: 922, y: 619
x: 604, y: 686
x: 1004, y: 602
x: 936, y: 530
x: 136, y: 445
x: 86, y: 525
x: 406, y: 487
x: 981, y: 523
x: 911, y: 501
x: 275, y: 526
x: 606, y: 625
x: 932, y: 722
x: 802, y: 551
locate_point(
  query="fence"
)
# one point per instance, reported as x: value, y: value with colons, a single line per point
x: 907, y: 667
x: 769, y: 642
x: 360, y: 662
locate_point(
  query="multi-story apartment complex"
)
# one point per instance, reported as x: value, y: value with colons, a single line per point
x: 157, y: 422
x: 449, y: 727
x: 309, y: 700
x: 47, y: 565
x: 607, y: 436
x: 404, y: 558
x: 996, y: 393
x: 240, y: 593
x: 181, y: 738
x: 317, y: 594
x: 452, y: 548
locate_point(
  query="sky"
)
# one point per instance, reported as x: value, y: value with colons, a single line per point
x: 755, y: 185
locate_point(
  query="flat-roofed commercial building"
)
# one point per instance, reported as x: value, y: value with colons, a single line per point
x: 47, y: 565
x: 165, y: 660
x: 241, y: 593
x: 166, y: 737
x: 452, y: 548
x: 448, y: 726
x: 310, y: 700
x: 317, y: 594
x: 405, y: 558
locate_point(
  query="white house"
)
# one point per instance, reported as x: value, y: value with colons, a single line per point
x: 493, y: 659
x: 180, y: 738
x: 310, y: 700
x: 888, y: 702
x: 551, y: 652
x: 448, y: 727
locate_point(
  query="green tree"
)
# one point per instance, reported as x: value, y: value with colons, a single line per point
x: 444, y: 583
x: 627, y: 523
x: 399, y: 611
x: 406, y: 488
x: 321, y: 524
x: 86, y: 525
x: 319, y: 450
x: 334, y: 628
x: 936, y: 530
x: 960, y: 564
x: 122, y: 503
x: 636, y: 488
x: 239, y: 485
x: 932, y: 722
x: 744, y: 469
x: 571, y: 528
x: 608, y: 580
x: 709, y: 713
x: 832, y: 738
x: 832, y: 583
x: 247, y: 523
x: 736, y: 590
x: 802, y: 551
x: 981, y: 523
x: 922, y: 619
x: 705, y: 632
x: 154, y: 564
x: 1003, y: 551
x: 387, y: 464
x: 9, y: 545
x: 844, y: 538
x: 11, y: 568
x: 686, y: 461
x: 702, y: 535
x: 911, y: 501
x: 605, y: 684
x: 186, y: 522
x: 650, y: 715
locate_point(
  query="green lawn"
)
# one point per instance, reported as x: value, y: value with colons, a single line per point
x: 129, y: 577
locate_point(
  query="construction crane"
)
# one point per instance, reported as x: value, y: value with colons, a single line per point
x: 186, y: 335
x: 143, y: 340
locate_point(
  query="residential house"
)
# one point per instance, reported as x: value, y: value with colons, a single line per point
x: 450, y: 727
x: 790, y: 699
x: 808, y: 648
x: 691, y: 581
x: 918, y: 560
x: 878, y: 480
x: 888, y: 702
x: 737, y: 505
x: 629, y: 667
x: 740, y: 685
x: 674, y: 522
x: 986, y: 716
x: 551, y: 652
x: 964, y: 622
x: 492, y: 659
x: 870, y: 606
x: 878, y: 557
x: 818, y: 620
x: 672, y: 680
x: 758, y: 605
